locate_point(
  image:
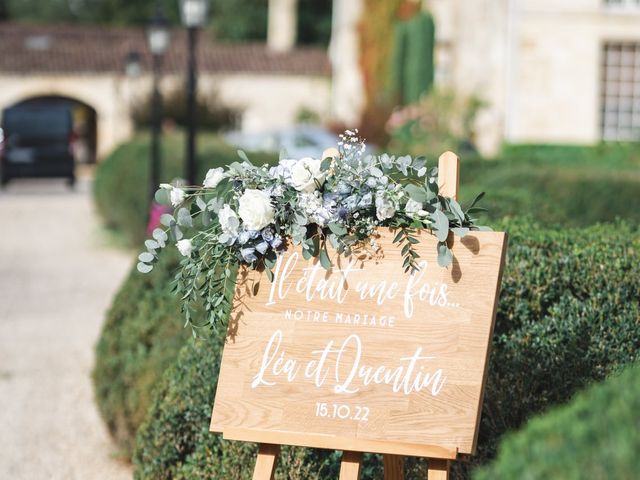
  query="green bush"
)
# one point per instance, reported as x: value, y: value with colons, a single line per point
x: 412, y: 58
x: 555, y: 185
x: 121, y: 186
x: 595, y: 436
x: 210, y: 114
x: 140, y: 339
x: 568, y: 316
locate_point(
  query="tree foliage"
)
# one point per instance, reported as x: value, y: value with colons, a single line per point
x: 232, y: 20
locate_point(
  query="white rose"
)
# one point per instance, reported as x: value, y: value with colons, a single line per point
x: 214, y: 177
x: 414, y: 208
x: 306, y: 175
x: 228, y: 221
x: 384, y: 209
x: 185, y: 247
x: 255, y: 209
x: 177, y: 196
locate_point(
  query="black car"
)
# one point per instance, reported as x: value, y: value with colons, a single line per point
x: 38, y: 142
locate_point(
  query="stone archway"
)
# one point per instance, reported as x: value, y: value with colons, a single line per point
x: 85, y: 123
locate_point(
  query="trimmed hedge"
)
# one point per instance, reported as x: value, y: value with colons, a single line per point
x: 141, y: 338
x: 569, y: 315
x: 595, y: 436
x: 558, y: 185
x: 121, y: 186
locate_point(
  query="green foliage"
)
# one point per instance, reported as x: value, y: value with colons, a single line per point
x: 568, y: 316
x: 175, y: 442
x: 210, y: 114
x: 140, y: 339
x: 120, y: 186
x: 230, y: 20
x: 438, y: 122
x: 595, y: 436
x: 558, y: 185
x: 412, y: 60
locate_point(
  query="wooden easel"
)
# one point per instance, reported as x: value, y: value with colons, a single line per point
x: 437, y: 468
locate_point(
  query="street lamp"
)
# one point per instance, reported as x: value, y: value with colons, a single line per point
x: 158, y: 38
x: 194, y: 16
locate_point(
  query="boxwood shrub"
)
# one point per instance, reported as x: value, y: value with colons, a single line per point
x: 140, y: 339
x: 568, y: 316
x: 595, y: 436
x: 121, y: 185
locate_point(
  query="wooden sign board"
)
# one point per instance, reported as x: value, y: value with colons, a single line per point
x: 365, y: 358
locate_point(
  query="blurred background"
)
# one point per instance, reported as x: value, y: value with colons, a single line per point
x: 101, y: 100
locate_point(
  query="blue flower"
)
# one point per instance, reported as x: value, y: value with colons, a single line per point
x: 248, y: 254
x: 276, y: 242
x: 342, y: 213
x: 343, y: 188
x: 366, y: 201
x: 268, y: 234
x: 244, y: 237
x: 262, y: 247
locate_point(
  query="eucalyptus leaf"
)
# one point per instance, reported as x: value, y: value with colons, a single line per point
x: 144, y: 268
x: 184, y: 218
x: 324, y: 260
x: 160, y: 236
x: 416, y: 193
x: 243, y: 156
x: 146, y: 257
x: 441, y: 225
x: 337, y: 228
x: 460, y: 231
x: 445, y: 257
x: 456, y: 209
x: 202, y: 205
x: 206, y: 218
x: 151, y: 244
x: 167, y: 219
x: 162, y: 197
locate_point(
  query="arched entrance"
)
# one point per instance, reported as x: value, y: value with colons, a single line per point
x: 85, y: 123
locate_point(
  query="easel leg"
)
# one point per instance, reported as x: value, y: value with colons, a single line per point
x: 438, y: 469
x: 393, y: 467
x: 266, y: 461
x: 350, y: 465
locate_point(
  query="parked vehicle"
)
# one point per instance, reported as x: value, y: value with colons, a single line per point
x: 300, y: 141
x: 38, y: 142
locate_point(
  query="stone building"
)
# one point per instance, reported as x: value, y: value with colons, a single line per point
x: 88, y: 65
x: 550, y: 71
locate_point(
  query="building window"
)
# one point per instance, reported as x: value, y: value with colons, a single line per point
x: 621, y: 91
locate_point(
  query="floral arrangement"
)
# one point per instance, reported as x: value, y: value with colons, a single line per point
x: 247, y: 214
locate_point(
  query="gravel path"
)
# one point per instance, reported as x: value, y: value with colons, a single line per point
x: 57, y: 278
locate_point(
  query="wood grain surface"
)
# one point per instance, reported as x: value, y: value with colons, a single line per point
x: 367, y: 357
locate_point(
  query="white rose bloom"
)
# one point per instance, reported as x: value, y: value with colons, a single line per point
x: 214, y: 177
x: 384, y: 209
x: 177, y: 196
x: 228, y: 220
x: 306, y: 175
x: 283, y: 169
x: 413, y: 207
x: 185, y: 247
x: 255, y: 209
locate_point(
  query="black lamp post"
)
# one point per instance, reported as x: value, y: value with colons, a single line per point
x: 158, y: 37
x: 194, y: 16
